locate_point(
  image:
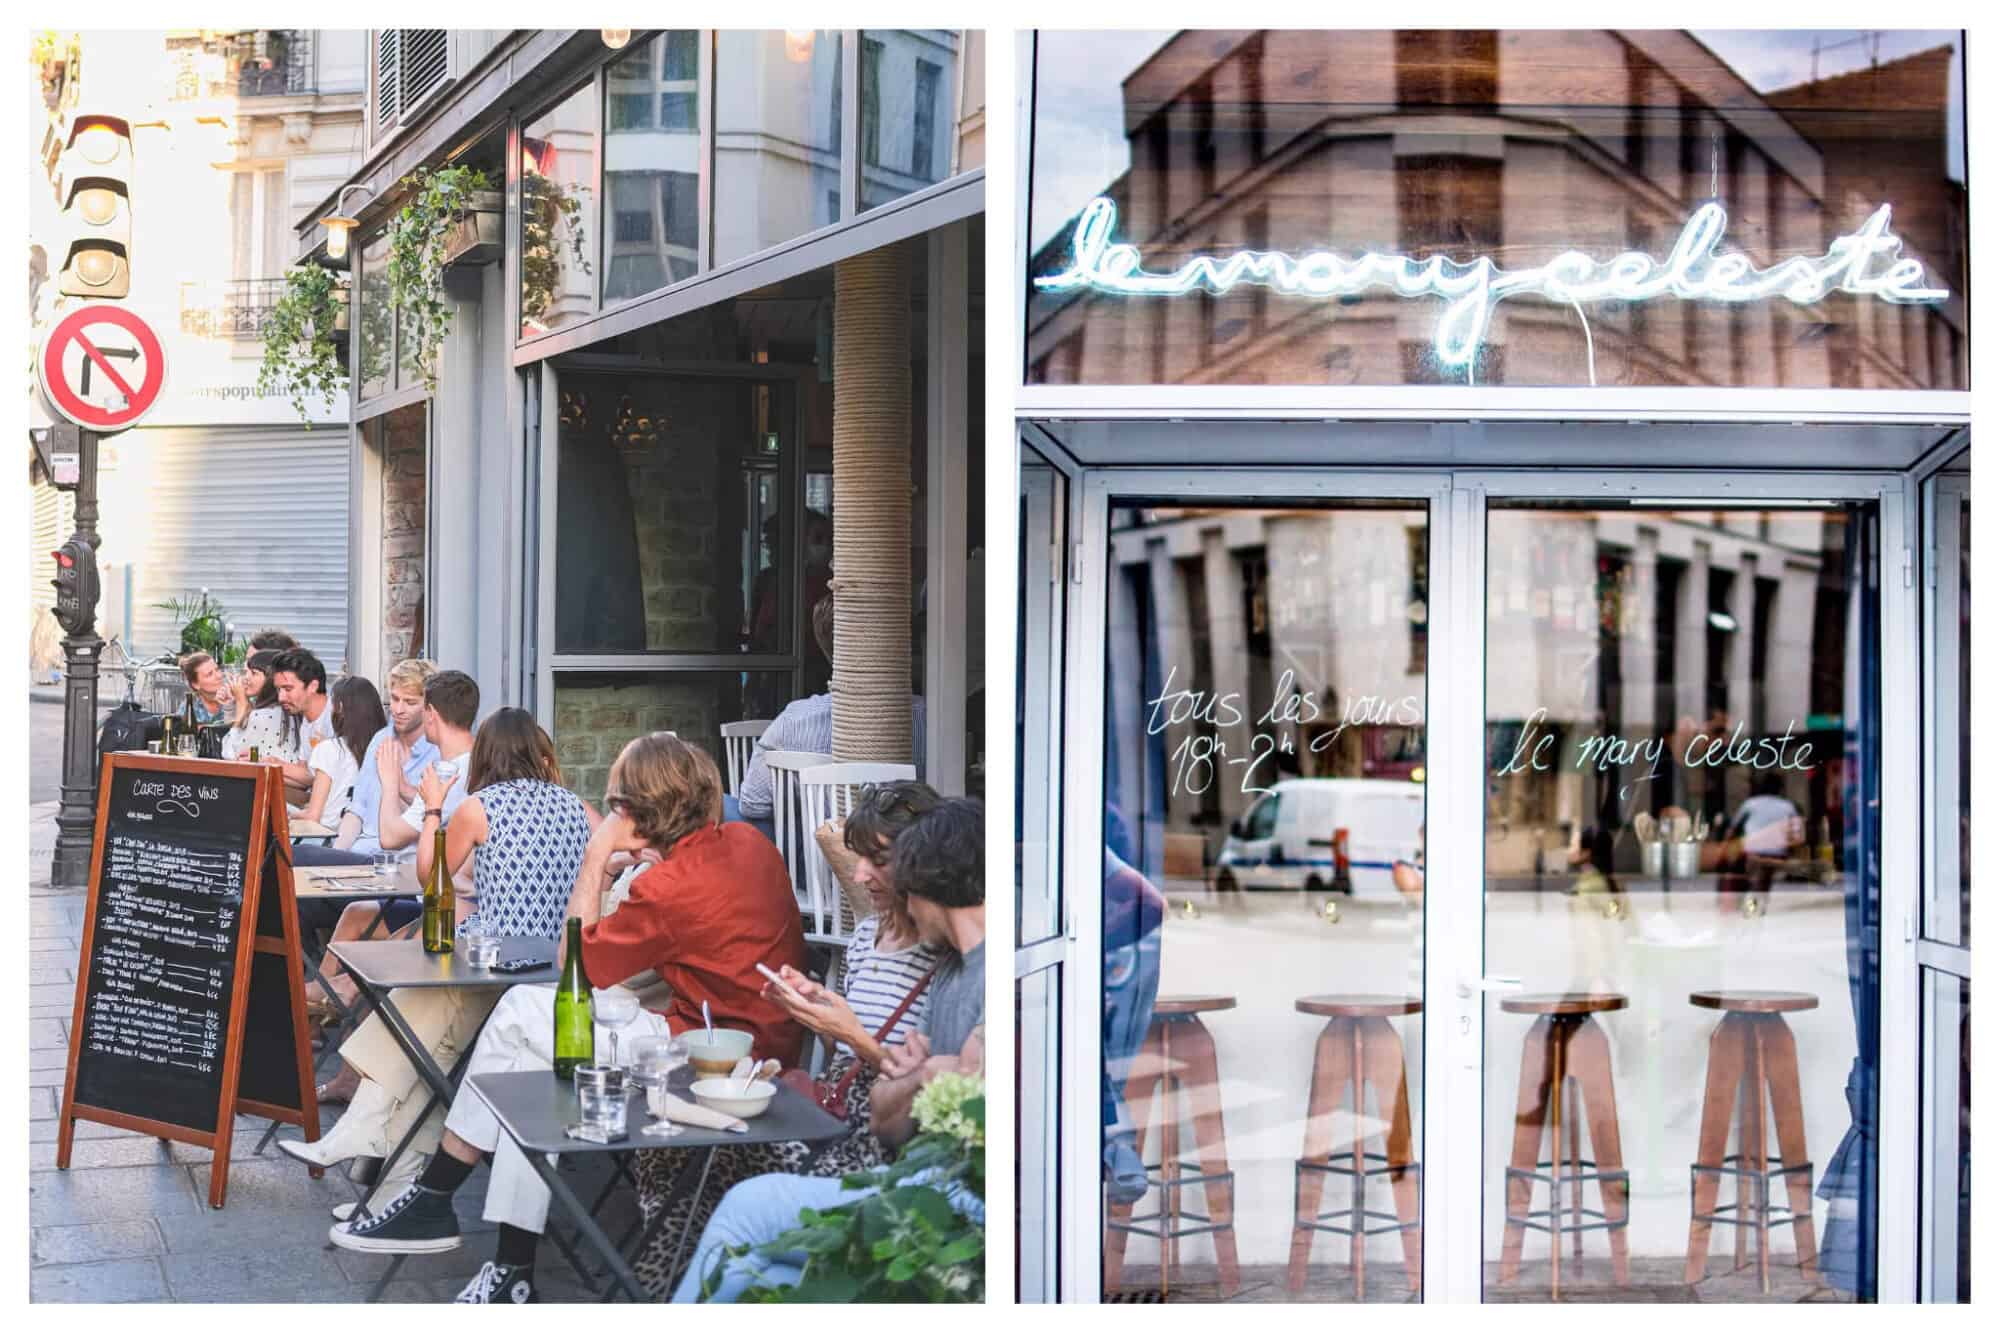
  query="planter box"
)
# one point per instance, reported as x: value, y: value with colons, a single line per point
x: 478, y: 239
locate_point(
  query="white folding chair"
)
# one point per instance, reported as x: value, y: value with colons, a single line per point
x: 739, y: 741
x: 829, y: 792
x: 787, y: 829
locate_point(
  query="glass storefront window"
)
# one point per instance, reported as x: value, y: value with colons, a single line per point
x: 1263, y: 901
x: 652, y: 165
x: 596, y: 713
x: 1499, y: 207
x: 909, y: 84
x: 671, y: 525
x: 559, y: 222
x: 376, y: 321
x: 1682, y: 859
x: 1037, y: 698
x: 777, y: 138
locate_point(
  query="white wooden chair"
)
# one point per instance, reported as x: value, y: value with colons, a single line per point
x: 829, y: 792
x: 788, y: 829
x: 739, y: 742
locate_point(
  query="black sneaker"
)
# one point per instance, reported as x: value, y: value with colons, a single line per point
x: 417, y: 1221
x: 499, y: 1284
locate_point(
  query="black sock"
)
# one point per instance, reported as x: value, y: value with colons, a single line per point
x: 517, y: 1247
x: 445, y: 1173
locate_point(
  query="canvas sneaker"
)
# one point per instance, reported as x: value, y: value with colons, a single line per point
x: 499, y: 1284
x: 417, y: 1221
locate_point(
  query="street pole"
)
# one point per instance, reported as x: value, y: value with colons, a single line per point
x: 76, y: 820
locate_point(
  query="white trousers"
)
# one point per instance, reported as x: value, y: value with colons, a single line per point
x: 520, y: 1035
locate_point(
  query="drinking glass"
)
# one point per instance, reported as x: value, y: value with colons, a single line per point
x: 385, y: 865
x: 603, y: 1109
x: 482, y: 948
x: 654, y: 1060
x: 615, y: 1008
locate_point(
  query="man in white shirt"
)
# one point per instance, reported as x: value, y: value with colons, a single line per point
x: 404, y: 739
x: 806, y: 725
x: 301, y: 682
x: 451, y: 706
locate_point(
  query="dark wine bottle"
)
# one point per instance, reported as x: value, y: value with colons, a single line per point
x: 440, y: 902
x: 576, y: 1037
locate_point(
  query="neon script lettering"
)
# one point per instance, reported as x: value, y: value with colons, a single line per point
x: 1866, y: 262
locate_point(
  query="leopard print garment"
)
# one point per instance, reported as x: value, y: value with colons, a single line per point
x: 658, y: 1269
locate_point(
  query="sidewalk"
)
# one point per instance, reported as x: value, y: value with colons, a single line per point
x: 130, y: 1221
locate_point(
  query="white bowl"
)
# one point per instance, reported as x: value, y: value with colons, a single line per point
x: 717, y: 1057
x: 728, y: 1096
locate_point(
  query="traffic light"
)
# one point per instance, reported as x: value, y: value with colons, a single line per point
x: 76, y: 586
x: 96, y: 194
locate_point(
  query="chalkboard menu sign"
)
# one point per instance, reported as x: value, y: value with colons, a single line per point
x: 178, y: 958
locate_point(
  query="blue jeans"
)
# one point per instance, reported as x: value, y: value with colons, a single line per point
x: 763, y: 1208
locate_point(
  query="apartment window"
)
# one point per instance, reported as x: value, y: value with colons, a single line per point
x: 871, y: 102
x: 924, y: 133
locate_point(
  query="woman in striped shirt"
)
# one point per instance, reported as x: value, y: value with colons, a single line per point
x: 887, y: 964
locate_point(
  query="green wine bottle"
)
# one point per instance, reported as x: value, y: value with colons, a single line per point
x: 440, y: 902
x: 576, y: 1035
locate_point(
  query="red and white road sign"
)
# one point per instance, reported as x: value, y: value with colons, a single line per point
x: 102, y: 367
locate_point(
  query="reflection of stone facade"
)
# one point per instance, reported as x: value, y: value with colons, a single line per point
x: 404, y: 486
x: 677, y: 501
x: 593, y: 722
x: 1515, y: 146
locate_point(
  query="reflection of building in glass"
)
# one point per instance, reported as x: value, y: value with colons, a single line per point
x: 777, y: 137
x: 1514, y: 146
x: 907, y: 92
x: 652, y: 166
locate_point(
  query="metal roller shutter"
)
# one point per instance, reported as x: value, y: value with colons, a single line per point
x: 52, y: 520
x: 256, y: 515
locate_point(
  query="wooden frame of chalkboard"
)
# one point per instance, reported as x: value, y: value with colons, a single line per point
x: 191, y: 906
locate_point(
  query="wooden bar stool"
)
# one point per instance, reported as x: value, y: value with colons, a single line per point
x: 1177, y: 1060
x: 1565, y: 1059
x: 1751, y: 1053
x: 1358, y: 1045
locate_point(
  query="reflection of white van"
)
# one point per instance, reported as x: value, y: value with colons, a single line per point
x: 1320, y: 834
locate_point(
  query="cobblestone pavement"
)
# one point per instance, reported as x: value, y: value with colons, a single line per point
x: 130, y: 1221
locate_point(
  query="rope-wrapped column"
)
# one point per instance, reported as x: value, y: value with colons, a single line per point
x: 871, y: 508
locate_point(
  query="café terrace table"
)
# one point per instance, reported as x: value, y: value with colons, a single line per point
x: 342, y: 885
x: 381, y: 967
x: 534, y: 1107
x: 311, y: 830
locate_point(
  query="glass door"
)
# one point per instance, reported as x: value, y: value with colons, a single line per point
x: 1265, y: 675
x: 1683, y: 849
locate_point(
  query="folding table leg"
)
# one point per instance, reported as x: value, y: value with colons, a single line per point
x: 621, y: 1271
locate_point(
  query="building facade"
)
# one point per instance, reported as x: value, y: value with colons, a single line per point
x: 623, y: 487
x: 1491, y: 578
x: 222, y: 486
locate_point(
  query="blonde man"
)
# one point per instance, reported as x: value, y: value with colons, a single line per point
x: 360, y: 827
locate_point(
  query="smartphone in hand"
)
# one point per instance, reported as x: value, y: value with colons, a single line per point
x: 782, y: 984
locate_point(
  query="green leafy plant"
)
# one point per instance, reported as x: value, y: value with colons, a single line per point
x: 205, y: 627
x: 301, y: 354
x: 548, y: 207
x: 905, y: 1243
x: 419, y: 235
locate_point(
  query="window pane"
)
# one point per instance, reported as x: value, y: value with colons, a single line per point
x: 559, y: 224
x: 1682, y: 868
x: 1038, y: 699
x: 377, y: 318
x: 597, y: 713
x: 777, y: 138
x: 909, y: 87
x: 670, y: 509
x: 1947, y: 1129
x: 1037, y: 1011
x: 1259, y: 653
x: 652, y: 168
x: 1948, y: 666
x: 1512, y: 147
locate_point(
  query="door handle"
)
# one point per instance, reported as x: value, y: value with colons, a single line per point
x: 1467, y: 989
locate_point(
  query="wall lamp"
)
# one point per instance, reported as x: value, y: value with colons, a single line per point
x: 338, y: 224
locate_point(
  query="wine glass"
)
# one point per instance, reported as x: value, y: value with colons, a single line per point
x: 615, y: 1008
x: 654, y: 1060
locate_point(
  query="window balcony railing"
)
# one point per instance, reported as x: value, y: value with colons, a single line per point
x: 229, y: 309
x: 272, y: 62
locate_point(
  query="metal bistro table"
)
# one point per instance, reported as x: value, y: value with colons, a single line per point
x: 381, y: 967
x: 343, y: 885
x: 534, y: 1107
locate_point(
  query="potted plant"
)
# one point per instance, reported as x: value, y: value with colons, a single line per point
x: 305, y: 338
x: 477, y: 238
x: 205, y: 627
x: 547, y: 208
x: 421, y: 237
x: 910, y: 1241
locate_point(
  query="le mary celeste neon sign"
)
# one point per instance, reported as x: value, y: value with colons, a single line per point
x: 1692, y: 271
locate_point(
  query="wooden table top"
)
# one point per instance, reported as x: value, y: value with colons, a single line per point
x: 1564, y: 1003
x: 1754, y: 1001
x: 307, y: 828
x: 1183, y: 1006
x: 1360, y: 1006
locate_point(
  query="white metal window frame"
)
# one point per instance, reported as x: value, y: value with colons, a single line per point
x: 1452, y: 1132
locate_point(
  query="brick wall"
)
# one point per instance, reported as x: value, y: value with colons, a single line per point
x: 676, y: 481
x: 593, y: 722
x: 403, y: 528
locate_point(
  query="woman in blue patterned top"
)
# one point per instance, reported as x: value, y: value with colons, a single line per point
x: 523, y: 832
x: 522, y: 835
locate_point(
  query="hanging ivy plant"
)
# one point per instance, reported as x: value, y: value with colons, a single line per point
x: 548, y: 207
x: 302, y: 356
x: 419, y: 235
